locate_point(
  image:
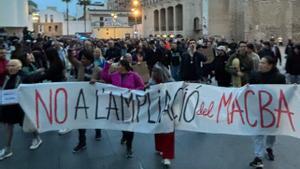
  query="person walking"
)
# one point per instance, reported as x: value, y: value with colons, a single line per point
x: 267, y: 74
x: 126, y: 78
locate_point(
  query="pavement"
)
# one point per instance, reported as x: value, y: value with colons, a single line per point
x: 193, y: 151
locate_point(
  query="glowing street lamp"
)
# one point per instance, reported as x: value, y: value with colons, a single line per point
x: 135, y: 3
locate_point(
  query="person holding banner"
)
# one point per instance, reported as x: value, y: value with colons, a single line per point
x: 11, y: 114
x: 3, y: 63
x: 126, y: 78
x: 87, y: 71
x: 267, y: 74
x: 164, y: 142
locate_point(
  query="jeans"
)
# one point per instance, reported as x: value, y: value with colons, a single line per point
x: 175, y: 72
x: 259, y: 146
x: 128, y: 136
x: 293, y: 79
x: 82, y: 137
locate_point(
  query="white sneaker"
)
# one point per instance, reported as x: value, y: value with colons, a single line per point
x: 4, y: 153
x: 166, y: 161
x: 64, y: 131
x: 36, y: 142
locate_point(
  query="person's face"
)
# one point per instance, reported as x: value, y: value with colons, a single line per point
x: 97, y: 53
x: 2, y: 53
x: 13, y: 68
x: 30, y: 58
x: 248, y: 50
x: 242, y: 48
x: 264, y: 66
x: 87, y: 44
x: 220, y: 52
x: 85, y: 61
x: 110, y: 44
x: 129, y: 58
x: 121, y: 68
x: 174, y: 46
x: 139, y: 58
x: 193, y: 44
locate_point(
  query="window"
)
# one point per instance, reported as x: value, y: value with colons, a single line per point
x: 51, y: 18
x: 49, y: 29
x: 46, y: 18
x: 56, y: 28
x: 196, y: 24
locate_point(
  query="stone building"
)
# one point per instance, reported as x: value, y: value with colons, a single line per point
x: 237, y: 19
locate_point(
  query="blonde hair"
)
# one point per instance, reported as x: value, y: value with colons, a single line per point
x: 16, y: 62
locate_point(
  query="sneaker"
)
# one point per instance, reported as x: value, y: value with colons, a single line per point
x: 64, y: 131
x: 36, y: 142
x: 79, y: 148
x: 129, y: 154
x: 270, y: 154
x: 123, y: 141
x: 257, y: 162
x: 166, y: 162
x: 4, y: 153
x: 98, y: 137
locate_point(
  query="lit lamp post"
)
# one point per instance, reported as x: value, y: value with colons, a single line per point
x: 136, y: 13
x: 114, y: 18
x: 35, y: 19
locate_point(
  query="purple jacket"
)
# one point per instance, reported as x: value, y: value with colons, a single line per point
x: 131, y: 80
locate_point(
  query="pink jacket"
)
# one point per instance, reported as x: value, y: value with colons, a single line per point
x: 131, y: 80
x: 3, y: 71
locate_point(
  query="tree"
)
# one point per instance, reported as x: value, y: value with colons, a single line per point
x: 84, y: 3
x: 67, y: 12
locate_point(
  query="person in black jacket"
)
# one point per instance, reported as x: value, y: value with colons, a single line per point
x: 112, y: 52
x: 292, y: 65
x: 190, y: 66
x: 267, y: 74
x: 267, y: 51
x: 222, y: 76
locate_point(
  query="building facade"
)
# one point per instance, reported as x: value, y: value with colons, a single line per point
x: 237, y: 19
x: 50, y: 22
x: 189, y: 18
x: 13, y: 16
x: 118, y: 5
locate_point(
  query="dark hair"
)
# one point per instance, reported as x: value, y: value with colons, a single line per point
x: 270, y: 60
x: 53, y: 57
x: 125, y: 64
x: 251, y: 46
x: 199, y: 47
x: 2, y: 47
x: 267, y: 43
x: 87, y: 54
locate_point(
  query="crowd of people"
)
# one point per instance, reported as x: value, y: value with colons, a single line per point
x: 137, y: 64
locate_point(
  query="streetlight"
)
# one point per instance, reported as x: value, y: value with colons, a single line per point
x: 135, y: 3
x: 136, y: 13
x: 114, y: 18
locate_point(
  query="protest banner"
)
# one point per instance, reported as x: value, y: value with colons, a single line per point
x: 250, y: 110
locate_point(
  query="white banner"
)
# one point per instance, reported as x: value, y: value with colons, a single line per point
x: 250, y: 110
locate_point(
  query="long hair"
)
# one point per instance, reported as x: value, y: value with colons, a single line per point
x: 125, y: 64
x: 160, y: 74
x: 53, y: 57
